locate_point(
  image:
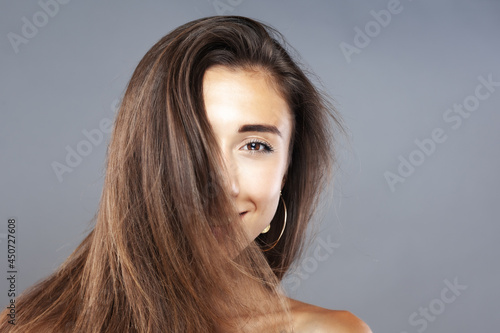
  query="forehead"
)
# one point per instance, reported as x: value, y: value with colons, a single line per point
x: 240, y: 95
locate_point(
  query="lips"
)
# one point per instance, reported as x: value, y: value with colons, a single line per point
x: 242, y: 214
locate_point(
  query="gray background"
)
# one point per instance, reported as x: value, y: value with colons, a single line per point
x: 393, y: 252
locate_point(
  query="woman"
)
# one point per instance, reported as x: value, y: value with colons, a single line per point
x: 220, y: 149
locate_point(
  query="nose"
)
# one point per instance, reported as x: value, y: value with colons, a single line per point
x: 231, y: 175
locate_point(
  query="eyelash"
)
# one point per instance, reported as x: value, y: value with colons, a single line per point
x: 267, y: 147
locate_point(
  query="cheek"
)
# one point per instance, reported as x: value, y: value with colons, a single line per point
x: 261, y: 181
x: 261, y: 186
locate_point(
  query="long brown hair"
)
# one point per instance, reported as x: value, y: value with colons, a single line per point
x: 153, y: 263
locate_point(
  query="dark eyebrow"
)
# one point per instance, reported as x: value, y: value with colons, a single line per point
x: 259, y: 128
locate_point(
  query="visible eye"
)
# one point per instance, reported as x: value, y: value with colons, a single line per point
x: 256, y: 146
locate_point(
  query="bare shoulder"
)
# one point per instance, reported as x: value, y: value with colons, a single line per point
x: 340, y: 321
x: 314, y: 319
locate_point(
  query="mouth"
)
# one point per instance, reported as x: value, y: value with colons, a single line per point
x: 242, y: 214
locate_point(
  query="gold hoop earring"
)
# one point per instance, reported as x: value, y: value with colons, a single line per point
x: 282, y: 230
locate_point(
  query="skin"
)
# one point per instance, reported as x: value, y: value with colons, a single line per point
x: 256, y: 159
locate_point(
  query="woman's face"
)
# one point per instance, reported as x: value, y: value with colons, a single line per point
x: 252, y: 123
